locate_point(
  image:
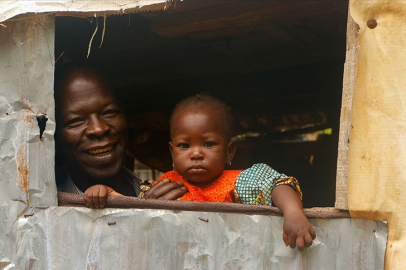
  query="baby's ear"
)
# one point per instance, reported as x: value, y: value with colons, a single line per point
x: 170, y: 148
x: 231, y: 148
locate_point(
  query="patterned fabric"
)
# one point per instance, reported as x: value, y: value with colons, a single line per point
x: 69, y: 186
x: 291, y: 181
x: 221, y: 190
x: 144, y: 186
x: 255, y: 185
x: 251, y: 186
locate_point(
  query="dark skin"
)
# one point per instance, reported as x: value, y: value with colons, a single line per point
x: 92, y: 133
x: 199, y: 148
x: 166, y: 190
x: 297, y: 230
x: 200, y: 151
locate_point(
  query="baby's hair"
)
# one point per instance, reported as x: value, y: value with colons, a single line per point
x: 204, y: 101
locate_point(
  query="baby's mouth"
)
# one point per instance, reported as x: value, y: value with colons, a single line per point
x: 101, y: 151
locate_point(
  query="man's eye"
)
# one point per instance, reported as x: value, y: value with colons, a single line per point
x: 183, y: 145
x: 75, y: 122
x: 110, y: 113
x: 209, y: 144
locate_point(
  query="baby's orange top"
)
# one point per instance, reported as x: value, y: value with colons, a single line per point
x: 220, y: 190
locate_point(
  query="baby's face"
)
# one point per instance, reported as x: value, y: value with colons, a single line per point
x: 199, y: 148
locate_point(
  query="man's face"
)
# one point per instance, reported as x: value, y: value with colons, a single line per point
x: 92, y: 128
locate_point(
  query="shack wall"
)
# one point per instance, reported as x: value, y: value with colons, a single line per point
x: 80, y: 238
x: 377, y: 143
x: 53, y: 236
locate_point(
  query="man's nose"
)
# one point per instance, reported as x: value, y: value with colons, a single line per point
x: 97, y: 127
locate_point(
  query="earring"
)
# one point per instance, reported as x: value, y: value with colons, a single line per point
x: 173, y: 166
x: 230, y: 163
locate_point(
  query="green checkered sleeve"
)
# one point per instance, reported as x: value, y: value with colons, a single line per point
x: 255, y: 185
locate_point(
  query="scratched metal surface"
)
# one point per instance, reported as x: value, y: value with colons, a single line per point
x: 26, y: 92
x: 80, y: 238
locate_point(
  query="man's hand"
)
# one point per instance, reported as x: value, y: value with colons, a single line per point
x: 297, y: 230
x: 166, y: 190
x: 95, y: 196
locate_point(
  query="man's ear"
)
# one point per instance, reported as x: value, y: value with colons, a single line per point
x: 231, y: 148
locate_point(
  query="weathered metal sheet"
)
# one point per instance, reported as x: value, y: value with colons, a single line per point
x: 11, y: 8
x: 26, y: 92
x: 81, y: 238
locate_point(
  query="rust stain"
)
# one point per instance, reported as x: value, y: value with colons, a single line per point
x: 32, y: 264
x: 23, y: 170
x: 203, y: 219
x: 26, y: 102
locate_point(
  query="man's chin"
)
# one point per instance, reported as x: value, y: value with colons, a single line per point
x: 104, y: 176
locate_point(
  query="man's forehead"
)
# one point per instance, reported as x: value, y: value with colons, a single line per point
x: 81, y: 83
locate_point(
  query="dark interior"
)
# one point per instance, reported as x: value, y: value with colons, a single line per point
x: 278, y: 64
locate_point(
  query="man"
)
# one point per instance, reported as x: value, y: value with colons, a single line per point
x: 91, y: 133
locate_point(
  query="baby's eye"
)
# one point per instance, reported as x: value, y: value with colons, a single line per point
x: 209, y: 144
x: 183, y: 146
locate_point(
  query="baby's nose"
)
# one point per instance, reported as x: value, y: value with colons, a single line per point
x: 197, y: 153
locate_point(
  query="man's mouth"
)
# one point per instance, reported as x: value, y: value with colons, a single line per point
x: 101, y: 151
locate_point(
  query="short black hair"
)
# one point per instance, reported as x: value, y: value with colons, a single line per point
x: 204, y: 101
x: 63, y: 72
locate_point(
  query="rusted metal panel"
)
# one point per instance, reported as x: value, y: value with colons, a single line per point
x: 26, y: 92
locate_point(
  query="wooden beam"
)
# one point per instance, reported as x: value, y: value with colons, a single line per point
x: 350, y: 74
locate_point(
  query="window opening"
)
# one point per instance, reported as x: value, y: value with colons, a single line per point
x: 282, y: 75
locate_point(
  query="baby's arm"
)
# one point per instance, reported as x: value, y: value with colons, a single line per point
x: 297, y: 230
x: 95, y: 196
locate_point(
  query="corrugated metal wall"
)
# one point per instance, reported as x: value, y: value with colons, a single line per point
x: 80, y: 238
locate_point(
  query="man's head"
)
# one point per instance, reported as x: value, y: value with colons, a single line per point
x: 91, y: 126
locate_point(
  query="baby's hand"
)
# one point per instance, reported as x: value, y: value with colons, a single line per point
x: 297, y: 230
x: 95, y: 196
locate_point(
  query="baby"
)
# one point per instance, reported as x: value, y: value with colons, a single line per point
x: 201, y: 148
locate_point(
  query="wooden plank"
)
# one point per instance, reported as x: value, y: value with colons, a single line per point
x: 239, y: 14
x: 350, y: 74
